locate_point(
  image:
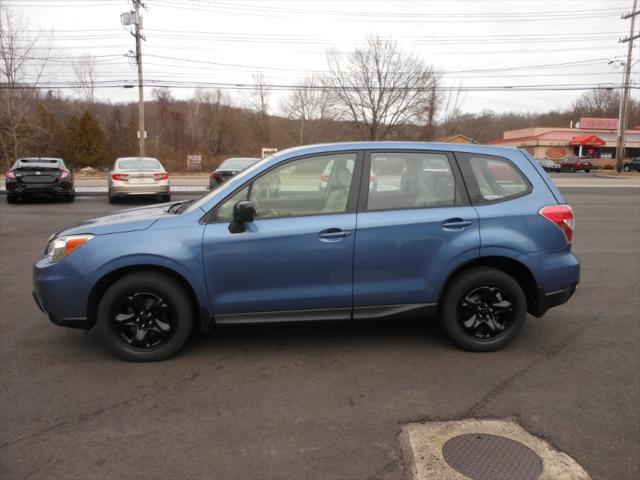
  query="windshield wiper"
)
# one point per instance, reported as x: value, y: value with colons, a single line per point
x: 179, y: 207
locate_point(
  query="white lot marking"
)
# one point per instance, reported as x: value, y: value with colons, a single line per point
x: 422, y: 449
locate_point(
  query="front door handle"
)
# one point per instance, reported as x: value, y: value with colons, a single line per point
x: 333, y: 234
x: 456, y: 223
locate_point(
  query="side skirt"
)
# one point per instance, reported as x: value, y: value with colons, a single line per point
x: 331, y: 314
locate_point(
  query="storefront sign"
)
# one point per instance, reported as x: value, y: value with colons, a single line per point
x: 603, y: 123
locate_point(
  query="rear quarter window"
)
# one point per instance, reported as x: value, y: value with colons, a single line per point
x: 492, y: 179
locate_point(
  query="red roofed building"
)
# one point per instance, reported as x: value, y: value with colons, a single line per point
x: 556, y: 143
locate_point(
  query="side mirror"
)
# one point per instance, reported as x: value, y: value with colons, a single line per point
x: 243, y: 212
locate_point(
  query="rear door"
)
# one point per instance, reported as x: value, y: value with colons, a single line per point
x: 414, y: 223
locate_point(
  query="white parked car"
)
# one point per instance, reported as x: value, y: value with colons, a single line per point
x: 138, y: 176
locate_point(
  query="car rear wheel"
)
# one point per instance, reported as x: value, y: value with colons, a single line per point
x: 627, y: 169
x: 587, y: 170
x: 483, y: 309
x: 12, y: 199
x: 145, y: 317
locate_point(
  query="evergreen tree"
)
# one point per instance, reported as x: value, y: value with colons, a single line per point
x: 84, y: 142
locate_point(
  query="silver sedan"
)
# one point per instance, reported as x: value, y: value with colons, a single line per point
x: 138, y: 176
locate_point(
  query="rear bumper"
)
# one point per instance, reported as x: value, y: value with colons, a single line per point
x: 545, y: 301
x: 140, y: 189
x: 56, y: 188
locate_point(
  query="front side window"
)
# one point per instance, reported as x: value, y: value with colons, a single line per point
x: 496, y: 178
x: 309, y: 186
x: 410, y: 180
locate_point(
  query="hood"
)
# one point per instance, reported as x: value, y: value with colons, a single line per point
x: 118, y: 222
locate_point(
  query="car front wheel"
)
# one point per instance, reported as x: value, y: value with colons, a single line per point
x: 627, y: 169
x: 483, y: 309
x: 145, y: 317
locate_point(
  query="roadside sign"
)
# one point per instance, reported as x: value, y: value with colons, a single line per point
x: 194, y: 162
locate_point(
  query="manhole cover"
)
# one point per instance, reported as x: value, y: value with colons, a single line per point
x: 480, y: 456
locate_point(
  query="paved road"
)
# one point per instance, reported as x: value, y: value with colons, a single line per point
x: 318, y: 401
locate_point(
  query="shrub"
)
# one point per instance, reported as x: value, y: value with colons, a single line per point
x: 608, y: 166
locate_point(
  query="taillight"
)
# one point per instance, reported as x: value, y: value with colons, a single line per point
x: 123, y: 177
x: 11, y: 174
x: 324, y: 178
x: 216, y: 176
x: 562, y: 217
x: 64, y: 174
x: 161, y: 176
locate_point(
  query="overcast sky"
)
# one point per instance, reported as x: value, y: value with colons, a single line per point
x: 226, y: 42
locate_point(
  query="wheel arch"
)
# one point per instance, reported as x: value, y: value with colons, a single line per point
x: 517, y: 270
x: 201, y: 315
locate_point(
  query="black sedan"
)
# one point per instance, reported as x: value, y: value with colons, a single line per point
x: 229, y: 168
x: 39, y: 177
x: 634, y: 164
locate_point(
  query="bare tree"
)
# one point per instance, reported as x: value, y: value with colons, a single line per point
x: 215, y: 113
x: 379, y: 87
x: 85, y: 71
x: 452, y: 110
x: 258, y: 102
x: 310, y: 101
x: 23, y: 61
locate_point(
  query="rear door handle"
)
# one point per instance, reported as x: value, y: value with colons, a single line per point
x: 333, y: 234
x: 456, y: 223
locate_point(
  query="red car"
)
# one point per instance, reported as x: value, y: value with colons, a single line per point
x: 575, y: 164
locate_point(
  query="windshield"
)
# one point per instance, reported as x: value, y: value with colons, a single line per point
x: 237, y: 163
x: 138, y: 164
x: 229, y: 185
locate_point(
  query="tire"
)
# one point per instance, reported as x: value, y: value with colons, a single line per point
x: 588, y: 170
x: 572, y: 170
x: 12, y: 199
x: 166, y: 198
x: 112, y: 199
x: 133, y: 298
x: 626, y: 168
x: 483, y: 285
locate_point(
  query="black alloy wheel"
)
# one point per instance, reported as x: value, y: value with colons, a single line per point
x: 145, y: 316
x: 485, y: 312
x: 143, y: 320
x: 483, y: 309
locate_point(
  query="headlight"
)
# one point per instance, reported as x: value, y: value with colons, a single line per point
x: 63, y: 246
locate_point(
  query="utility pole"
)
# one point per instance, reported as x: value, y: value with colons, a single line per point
x: 624, y: 103
x: 138, y: 35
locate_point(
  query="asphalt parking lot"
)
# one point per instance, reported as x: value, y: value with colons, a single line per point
x: 322, y: 401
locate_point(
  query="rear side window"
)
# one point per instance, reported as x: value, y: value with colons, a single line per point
x: 410, y: 180
x: 492, y: 179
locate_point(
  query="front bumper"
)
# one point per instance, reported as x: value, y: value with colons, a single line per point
x: 61, y: 293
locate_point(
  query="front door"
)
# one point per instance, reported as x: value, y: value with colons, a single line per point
x: 295, y: 260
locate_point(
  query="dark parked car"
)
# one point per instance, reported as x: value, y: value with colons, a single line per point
x: 476, y: 236
x: 575, y: 164
x: 229, y: 168
x: 634, y: 164
x: 43, y: 176
x: 550, y: 165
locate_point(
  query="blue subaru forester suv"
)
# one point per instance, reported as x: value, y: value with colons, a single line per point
x: 475, y: 236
